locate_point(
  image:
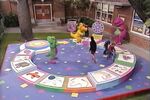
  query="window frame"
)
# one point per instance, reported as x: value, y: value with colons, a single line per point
x: 101, y: 11
x: 138, y: 33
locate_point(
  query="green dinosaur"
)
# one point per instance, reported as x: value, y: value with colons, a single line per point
x: 53, y: 47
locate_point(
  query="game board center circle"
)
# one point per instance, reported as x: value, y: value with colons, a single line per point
x: 72, y: 61
x: 37, y: 44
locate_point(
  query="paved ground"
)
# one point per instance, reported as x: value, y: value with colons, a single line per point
x: 41, y: 29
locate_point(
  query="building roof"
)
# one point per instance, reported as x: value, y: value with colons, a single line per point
x: 115, y: 2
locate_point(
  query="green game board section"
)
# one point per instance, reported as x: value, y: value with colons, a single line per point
x: 50, y: 88
x: 125, y: 63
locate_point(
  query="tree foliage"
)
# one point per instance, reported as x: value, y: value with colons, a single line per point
x: 142, y: 8
x: 79, y: 4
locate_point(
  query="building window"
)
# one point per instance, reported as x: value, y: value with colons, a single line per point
x: 98, y: 11
x: 138, y: 26
x: 104, y: 12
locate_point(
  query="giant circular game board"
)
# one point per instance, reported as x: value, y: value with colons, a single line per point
x: 107, y: 77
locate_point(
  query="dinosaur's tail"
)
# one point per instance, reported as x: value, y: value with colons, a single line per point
x: 72, y: 35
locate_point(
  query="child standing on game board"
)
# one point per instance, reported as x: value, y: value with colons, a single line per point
x: 93, y: 48
x: 106, y: 44
x: 111, y: 51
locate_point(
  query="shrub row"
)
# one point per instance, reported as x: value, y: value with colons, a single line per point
x: 11, y: 20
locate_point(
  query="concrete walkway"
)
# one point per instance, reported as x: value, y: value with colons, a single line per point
x: 39, y: 29
x: 42, y: 29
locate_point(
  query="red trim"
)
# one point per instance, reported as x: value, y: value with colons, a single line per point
x: 125, y: 95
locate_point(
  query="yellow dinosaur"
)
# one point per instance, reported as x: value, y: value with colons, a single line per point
x: 79, y: 33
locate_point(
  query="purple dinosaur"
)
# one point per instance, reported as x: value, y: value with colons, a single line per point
x: 121, y: 28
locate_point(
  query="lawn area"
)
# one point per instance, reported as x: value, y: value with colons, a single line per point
x: 10, y: 38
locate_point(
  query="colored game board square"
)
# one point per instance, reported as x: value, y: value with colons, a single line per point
x: 148, y: 77
x: 62, y: 42
x: 124, y: 59
x: 24, y: 85
x: 101, y: 65
x: 120, y: 69
x: 97, y: 37
x: 104, y: 56
x: 126, y: 52
x: 45, y: 50
x: 2, y: 82
x: 102, y: 76
x: 52, y: 83
x: 118, y: 50
x: 74, y: 94
x: 33, y: 76
x: 41, y: 91
x: 129, y: 87
x: 79, y: 84
x: 21, y: 57
x: 7, y: 69
x: 26, y: 52
x: 22, y: 65
x: 27, y: 96
x: 73, y: 40
x: 12, y: 52
x: 101, y: 44
x: 86, y: 39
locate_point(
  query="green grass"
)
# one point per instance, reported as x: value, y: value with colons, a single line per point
x: 139, y: 96
x: 10, y: 38
x: 57, y: 35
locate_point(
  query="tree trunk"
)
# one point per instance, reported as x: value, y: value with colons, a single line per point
x: 24, y: 19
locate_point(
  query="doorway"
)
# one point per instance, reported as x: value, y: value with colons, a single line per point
x: 43, y: 12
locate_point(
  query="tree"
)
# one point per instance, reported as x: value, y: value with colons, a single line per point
x: 83, y: 5
x: 24, y: 19
x: 142, y: 8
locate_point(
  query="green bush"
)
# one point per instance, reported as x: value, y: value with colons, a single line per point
x: 1, y: 29
x: 1, y: 33
x: 11, y: 20
x: 86, y: 21
x: 0, y: 16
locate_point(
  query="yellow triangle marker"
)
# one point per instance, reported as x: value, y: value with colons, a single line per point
x: 74, y: 95
x: 24, y: 85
